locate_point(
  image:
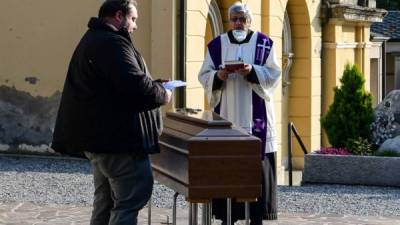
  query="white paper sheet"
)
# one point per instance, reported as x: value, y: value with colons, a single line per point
x: 174, y: 84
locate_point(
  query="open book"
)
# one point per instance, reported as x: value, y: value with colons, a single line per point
x: 234, y: 65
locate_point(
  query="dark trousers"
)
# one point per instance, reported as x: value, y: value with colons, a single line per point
x: 123, y: 185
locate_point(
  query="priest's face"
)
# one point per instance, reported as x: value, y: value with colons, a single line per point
x: 239, y: 21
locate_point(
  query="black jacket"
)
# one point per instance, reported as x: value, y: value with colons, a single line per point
x: 109, y: 103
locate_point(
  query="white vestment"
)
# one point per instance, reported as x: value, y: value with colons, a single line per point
x: 235, y: 96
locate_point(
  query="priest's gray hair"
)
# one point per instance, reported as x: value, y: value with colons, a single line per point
x: 240, y: 7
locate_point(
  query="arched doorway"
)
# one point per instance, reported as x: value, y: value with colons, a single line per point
x: 287, y: 60
x: 300, y: 100
x: 214, y: 28
x: 214, y: 19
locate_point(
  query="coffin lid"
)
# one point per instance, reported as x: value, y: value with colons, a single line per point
x: 203, y: 118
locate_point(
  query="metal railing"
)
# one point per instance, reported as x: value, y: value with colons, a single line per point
x: 292, y: 128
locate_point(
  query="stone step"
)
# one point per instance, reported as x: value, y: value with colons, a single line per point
x: 296, y: 178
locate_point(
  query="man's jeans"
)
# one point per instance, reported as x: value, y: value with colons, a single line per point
x: 123, y: 185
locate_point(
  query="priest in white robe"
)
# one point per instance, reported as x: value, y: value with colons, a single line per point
x: 244, y: 96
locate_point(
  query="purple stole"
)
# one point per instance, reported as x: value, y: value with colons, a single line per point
x: 264, y: 44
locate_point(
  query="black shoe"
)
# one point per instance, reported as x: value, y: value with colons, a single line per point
x: 257, y: 222
x: 271, y: 216
x: 226, y: 223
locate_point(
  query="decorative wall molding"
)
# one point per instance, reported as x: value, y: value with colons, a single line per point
x: 365, y: 3
x: 342, y: 11
x: 287, y: 55
x: 343, y: 45
x: 216, y: 19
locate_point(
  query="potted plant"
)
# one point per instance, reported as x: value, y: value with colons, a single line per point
x: 347, y: 123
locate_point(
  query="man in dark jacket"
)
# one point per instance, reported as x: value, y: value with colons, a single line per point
x: 110, y: 111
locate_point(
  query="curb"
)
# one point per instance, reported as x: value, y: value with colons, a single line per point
x: 15, y: 155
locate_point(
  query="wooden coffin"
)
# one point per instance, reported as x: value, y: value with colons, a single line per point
x: 203, y: 157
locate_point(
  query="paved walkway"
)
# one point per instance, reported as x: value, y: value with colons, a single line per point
x: 33, y: 214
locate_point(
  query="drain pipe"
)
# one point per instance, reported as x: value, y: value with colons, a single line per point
x: 181, y: 95
x: 383, y: 71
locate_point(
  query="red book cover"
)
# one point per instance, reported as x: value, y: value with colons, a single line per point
x: 234, y: 65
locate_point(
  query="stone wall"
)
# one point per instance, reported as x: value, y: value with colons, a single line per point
x: 26, y: 122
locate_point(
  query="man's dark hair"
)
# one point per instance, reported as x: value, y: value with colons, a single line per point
x: 110, y: 7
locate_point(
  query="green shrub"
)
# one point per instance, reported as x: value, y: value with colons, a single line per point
x: 360, y: 146
x: 350, y: 115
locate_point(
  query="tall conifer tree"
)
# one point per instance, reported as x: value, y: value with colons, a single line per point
x: 350, y: 115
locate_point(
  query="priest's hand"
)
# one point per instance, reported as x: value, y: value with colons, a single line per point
x: 245, y: 71
x: 222, y: 74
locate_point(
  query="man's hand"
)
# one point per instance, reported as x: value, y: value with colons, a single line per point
x: 162, y: 80
x: 222, y: 74
x: 245, y: 71
x: 167, y: 96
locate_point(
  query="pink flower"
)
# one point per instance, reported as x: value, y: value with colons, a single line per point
x: 333, y: 151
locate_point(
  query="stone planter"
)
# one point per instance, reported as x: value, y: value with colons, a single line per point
x: 354, y: 170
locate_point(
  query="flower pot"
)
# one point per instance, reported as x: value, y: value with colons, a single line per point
x: 351, y: 169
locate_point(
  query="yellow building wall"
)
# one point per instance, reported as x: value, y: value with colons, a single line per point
x: 305, y: 75
x: 159, y: 39
x: 196, y: 17
x: 142, y: 36
x: 37, y: 40
x: 272, y: 24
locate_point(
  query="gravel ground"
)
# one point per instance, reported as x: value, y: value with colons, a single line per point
x: 64, y: 181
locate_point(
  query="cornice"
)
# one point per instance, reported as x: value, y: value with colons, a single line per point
x: 351, y: 13
x: 343, y: 45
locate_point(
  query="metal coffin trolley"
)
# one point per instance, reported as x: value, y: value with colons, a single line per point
x: 203, y: 156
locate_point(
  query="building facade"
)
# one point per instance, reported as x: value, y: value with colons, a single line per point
x: 390, y: 30
x: 314, y: 39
